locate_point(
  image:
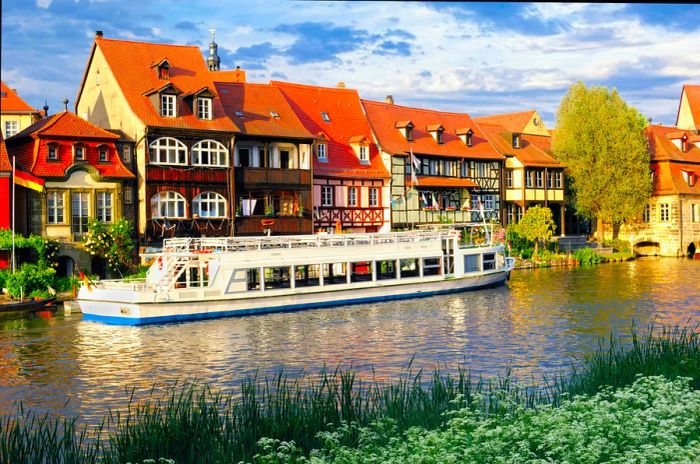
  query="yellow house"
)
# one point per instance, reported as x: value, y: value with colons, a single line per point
x: 15, y: 114
x: 688, y: 117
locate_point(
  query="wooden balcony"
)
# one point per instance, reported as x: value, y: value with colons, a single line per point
x: 158, y: 229
x: 284, y: 225
x: 247, y: 178
x: 350, y: 216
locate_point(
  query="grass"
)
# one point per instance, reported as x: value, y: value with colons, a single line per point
x: 193, y: 423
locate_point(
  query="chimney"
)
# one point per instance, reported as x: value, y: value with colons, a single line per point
x: 389, y: 99
x: 98, y: 34
x: 15, y: 91
x: 65, y: 104
x: 46, y: 109
x: 341, y: 85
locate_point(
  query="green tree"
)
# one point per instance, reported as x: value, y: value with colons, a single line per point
x: 536, y: 225
x: 601, y: 140
x: 112, y: 242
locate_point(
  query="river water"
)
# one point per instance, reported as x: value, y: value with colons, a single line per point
x: 537, y: 325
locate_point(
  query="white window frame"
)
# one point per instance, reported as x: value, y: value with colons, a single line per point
x: 364, y: 154
x: 213, y: 203
x: 646, y: 213
x: 695, y: 212
x: 83, y: 149
x: 322, y: 152
x: 352, y: 196
x: 212, y: 149
x: 105, y: 206
x: 53, y: 148
x: 489, y: 202
x: 55, y: 206
x: 204, y: 108
x: 173, y: 150
x: 509, y: 178
x: 126, y: 154
x: 128, y: 195
x: 529, y: 178
x: 168, y: 105
x: 373, y: 197
x: 557, y: 179
x: 664, y: 212
x: 166, y: 205
x: 326, y: 195
x: 103, y: 149
x: 11, y: 128
x: 539, y: 179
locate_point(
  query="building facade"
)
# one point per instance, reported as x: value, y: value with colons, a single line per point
x: 443, y: 169
x: 350, y: 179
x: 689, y: 109
x: 15, y: 114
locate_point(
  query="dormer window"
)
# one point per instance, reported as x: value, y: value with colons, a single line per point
x: 325, y: 116
x: 204, y: 108
x: 321, y: 152
x: 690, y: 178
x: 406, y: 128
x: 469, y: 138
x: 363, y: 154
x: 360, y: 145
x: 53, y: 152
x: 436, y: 131
x: 684, y: 143
x: 103, y: 153
x: 167, y: 105
x: 163, y: 70
x: 516, y: 140
x: 466, y: 135
x: 79, y: 152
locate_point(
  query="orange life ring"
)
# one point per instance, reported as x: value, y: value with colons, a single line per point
x: 267, y: 222
x: 201, y: 252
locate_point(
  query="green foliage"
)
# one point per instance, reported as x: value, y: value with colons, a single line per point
x: 617, y: 244
x: 536, y: 225
x: 30, y: 280
x: 46, y: 250
x: 139, y: 273
x: 519, y: 244
x: 4, y: 273
x: 587, y: 257
x: 601, y: 140
x: 112, y: 242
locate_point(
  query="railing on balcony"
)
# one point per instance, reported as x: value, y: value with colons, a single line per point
x: 350, y: 216
x: 281, y: 225
x: 159, y: 229
x: 250, y: 177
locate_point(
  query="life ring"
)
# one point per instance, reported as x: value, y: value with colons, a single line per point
x: 267, y: 222
x: 159, y: 261
x: 201, y: 252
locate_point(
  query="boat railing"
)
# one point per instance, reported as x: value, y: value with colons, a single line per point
x: 134, y: 285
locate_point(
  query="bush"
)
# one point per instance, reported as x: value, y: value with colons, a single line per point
x: 519, y: 245
x: 46, y: 250
x: 587, y: 257
x: 112, y: 242
x: 30, y: 280
x: 3, y: 277
x: 617, y: 244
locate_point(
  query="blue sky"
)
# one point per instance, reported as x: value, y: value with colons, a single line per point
x: 479, y: 58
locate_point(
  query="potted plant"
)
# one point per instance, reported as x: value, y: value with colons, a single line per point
x: 269, y: 211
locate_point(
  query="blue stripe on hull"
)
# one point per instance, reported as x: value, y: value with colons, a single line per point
x: 275, y: 309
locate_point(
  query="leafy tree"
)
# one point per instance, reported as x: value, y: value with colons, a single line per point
x: 601, y: 140
x: 536, y: 225
x: 112, y: 242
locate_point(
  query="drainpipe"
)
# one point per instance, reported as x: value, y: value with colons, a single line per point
x: 680, y: 221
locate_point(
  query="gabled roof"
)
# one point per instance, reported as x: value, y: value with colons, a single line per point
x: 534, y: 149
x: 257, y: 102
x: 513, y: 122
x: 692, y: 93
x: 384, y: 116
x: 662, y: 148
x: 69, y: 126
x: 5, y: 165
x: 131, y: 63
x: 10, y: 102
x: 347, y: 120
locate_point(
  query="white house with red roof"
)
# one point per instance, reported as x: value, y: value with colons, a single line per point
x: 688, y: 117
x: 15, y: 114
x: 350, y: 179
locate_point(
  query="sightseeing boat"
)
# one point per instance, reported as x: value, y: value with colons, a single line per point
x: 200, y: 278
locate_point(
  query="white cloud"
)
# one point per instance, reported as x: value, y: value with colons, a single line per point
x: 43, y: 3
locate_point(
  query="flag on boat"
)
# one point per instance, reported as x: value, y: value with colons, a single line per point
x: 86, y: 281
x: 481, y: 208
x: 28, y: 180
x: 435, y: 203
x: 415, y: 165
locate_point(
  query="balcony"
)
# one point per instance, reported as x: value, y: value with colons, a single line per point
x: 350, y: 216
x: 284, y: 225
x: 247, y: 178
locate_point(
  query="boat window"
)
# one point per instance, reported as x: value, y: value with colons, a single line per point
x: 198, y: 276
x: 489, y: 261
x: 253, y: 279
x: 277, y: 277
x: 386, y: 270
x: 307, y: 275
x: 409, y: 268
x: 334, y: 273
x: 431, y: 266
x: 361, y: 272
x: 471, y: 263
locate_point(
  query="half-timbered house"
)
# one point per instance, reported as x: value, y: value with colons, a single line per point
x: 442, y: 166
x: 351, y: 182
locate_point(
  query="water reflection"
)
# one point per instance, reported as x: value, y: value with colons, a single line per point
x: 535, y: 325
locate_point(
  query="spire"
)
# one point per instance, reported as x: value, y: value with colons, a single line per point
x: 213, y: 60
x: 65, y: 104
x: 46, y: 109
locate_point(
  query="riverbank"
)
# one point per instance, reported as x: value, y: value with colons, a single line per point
x: 346, y: 419
x: 558, y: 260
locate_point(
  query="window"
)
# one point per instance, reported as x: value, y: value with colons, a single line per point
x: 557, y: 179
x: 104, y: 154
x: 528, y: 179
x: 516, y: 140
x: 409, y: 133
x: 209, y: 205
x: 53, y: 152
x: 465, y: 169
x: 168, y: 204
x: 509, y: 178
x: 550, y: 180
x: 363, y: 154
x: 325, y: 116
x: 373, y: 197
x: 321, y: 152
x: 167, y: 150
x: 128, y: 195
x: 167, y: 105
x: 664, y: 212
x: 489, y: 202
x: 285, y: 159
x: 104, y: 206
x: 481, y: 169
x: 11, y: 128
x: 434, y: 167
x: 54, y: 203
x: 352, y: 196
x: 695, y: 212
x: 79, y: 212
x: 126, y: 154
x: 210, y: 153
x: 439, y: 136
x: 204, y: 108
x: 470, y: 139
x: 646, y: 213
x: 539, y: 178
x: 79, y: 152
x: 326, y: 195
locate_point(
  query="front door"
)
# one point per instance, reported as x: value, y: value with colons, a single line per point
x: 79, y: 214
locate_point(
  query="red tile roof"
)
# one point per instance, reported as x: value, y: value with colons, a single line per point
x: 347, y: 120
x: 692, y: 93
x: 5, y: 165
x: 513, y: 122
x: 70, y: 127
x: 257, y: 102
x: 10, y: 102
x: 383, y: 118
x: 132, y: 65
x: 435, y: 181
x: 668, y: 162
x: 662, y: 148
x: 669, y: 178
x: 534, y: 150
